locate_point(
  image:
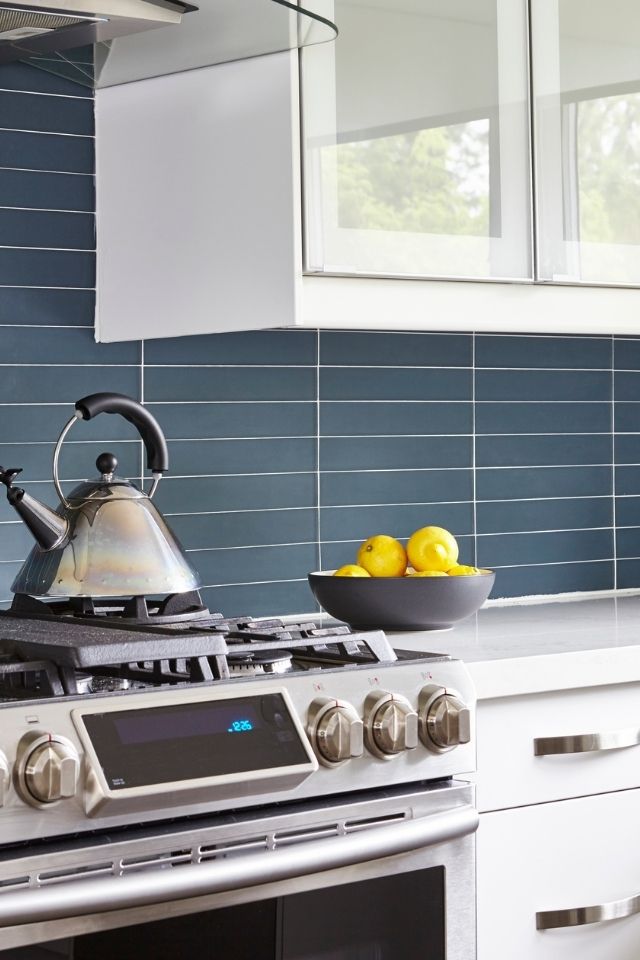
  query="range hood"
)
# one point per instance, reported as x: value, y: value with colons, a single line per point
x: 32, y: 28
x: 103, y: 43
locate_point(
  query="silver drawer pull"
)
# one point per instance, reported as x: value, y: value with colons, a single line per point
x: 579, y: 916
x: 586, y: 742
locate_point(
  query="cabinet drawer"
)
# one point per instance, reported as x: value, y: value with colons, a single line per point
x: 588, y: 722
x: 558, y: 857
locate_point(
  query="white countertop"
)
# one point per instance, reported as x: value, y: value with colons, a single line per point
x: 538, y: 647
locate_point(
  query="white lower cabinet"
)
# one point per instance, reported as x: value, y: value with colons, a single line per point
x: 534, y: 732
x: 554, y: 857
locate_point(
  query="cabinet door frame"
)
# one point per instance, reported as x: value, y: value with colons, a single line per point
x: 509, y: 245
x: 345, y: 302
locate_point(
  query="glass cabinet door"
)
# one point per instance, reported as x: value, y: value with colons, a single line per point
x: 416, y: 141
x: 586, y: 86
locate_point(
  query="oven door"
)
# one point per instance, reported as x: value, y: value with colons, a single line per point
x: 386, y: 875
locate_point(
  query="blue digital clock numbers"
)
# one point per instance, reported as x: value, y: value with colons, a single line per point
x: 240, y: 726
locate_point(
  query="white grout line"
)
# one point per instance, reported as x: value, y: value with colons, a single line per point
x: 48, y: 133
x: 459, y: 366
x: 551, y: 499
x: 86, y: 213
x: 73, y: 366
x: 204, y: 403
x: 498, y: 533
x: 367, y: 506
x: 62, y: 173
x: 474, y: 472
x: 52, y: 443
x: 215, y: 513
x: 318, y: 444
x: 46, y: 326
x: 251, y: 583
x: 44, y: 93
x: 217, y: 476
x: 255, y: 546
x: 535, y: 532
x: 141, y: 442
x: 231, y: 366
x: 468, y: 333
x: 361, y: 470
x: 551, y: 563
x: 9, y: 246
x: 613, y: 465
x: 354, y: 471
x: 543, y: 466
x: 304, y: 436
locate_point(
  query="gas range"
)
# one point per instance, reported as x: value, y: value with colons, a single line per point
x: 110, y: 712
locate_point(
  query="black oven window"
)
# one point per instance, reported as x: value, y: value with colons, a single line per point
x: 399, y: 917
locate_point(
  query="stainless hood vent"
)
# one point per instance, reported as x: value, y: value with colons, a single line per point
x: 20, y: 24
x: 38, y: 29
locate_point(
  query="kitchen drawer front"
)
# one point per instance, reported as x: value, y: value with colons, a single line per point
x: 588, y: 721
x: 556, y: 857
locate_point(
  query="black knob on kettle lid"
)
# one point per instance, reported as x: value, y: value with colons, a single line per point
x: 106, y: 463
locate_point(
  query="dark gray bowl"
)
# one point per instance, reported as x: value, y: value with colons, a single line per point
x: 401, y: 603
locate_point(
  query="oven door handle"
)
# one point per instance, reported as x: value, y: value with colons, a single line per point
x: 77, y: 898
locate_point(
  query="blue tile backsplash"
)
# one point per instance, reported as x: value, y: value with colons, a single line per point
x: 290, y: 447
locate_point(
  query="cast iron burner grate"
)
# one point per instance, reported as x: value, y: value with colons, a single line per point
x: 79, y: 649
x: 133, y: 611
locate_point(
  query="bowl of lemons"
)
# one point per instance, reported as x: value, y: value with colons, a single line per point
x: 420, y: 586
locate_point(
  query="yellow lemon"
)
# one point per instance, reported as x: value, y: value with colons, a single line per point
x: 383, y: 556
x: 432, y: 548
x: 460, y: 570
x: 428, y: 573
x: 351, y: 570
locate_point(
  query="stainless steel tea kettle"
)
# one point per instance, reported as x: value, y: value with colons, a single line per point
x: 106, y: 538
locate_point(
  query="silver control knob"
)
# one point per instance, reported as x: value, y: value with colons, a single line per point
x: 51, y: 771
x: 335, y: 730
x: 445, y: 720
x: 4, y: 778
x: 391, y: 725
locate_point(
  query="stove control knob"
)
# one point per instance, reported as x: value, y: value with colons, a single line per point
x: 51, y: 770
x: 391, y: 724
x: 4, y: 778
x: 335, y: 730
x: 445, y: 720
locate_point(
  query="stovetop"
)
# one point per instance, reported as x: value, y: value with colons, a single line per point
x: 110, y: 713
x: 86, y: 647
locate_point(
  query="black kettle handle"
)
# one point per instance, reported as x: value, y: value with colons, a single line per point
x: 146, y: 425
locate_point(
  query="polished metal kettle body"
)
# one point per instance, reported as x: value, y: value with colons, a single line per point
x: 106, y: 538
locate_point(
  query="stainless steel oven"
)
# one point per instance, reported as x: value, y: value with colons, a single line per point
x: 387, y: 875
x: 239, y: 791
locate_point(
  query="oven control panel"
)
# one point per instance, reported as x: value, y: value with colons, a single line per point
x: 81, y: 763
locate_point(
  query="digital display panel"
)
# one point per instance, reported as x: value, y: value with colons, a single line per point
x: 143, y: 747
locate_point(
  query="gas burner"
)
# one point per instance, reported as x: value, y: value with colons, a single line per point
x: 88, y: 683
x: 254, y: 663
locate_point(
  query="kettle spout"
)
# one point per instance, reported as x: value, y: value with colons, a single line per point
x: 48, y: 529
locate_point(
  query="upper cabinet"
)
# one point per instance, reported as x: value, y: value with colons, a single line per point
x: 586, y: 96
x: 424, y: 157
x: 435, y: 141
x: 416, y: 141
